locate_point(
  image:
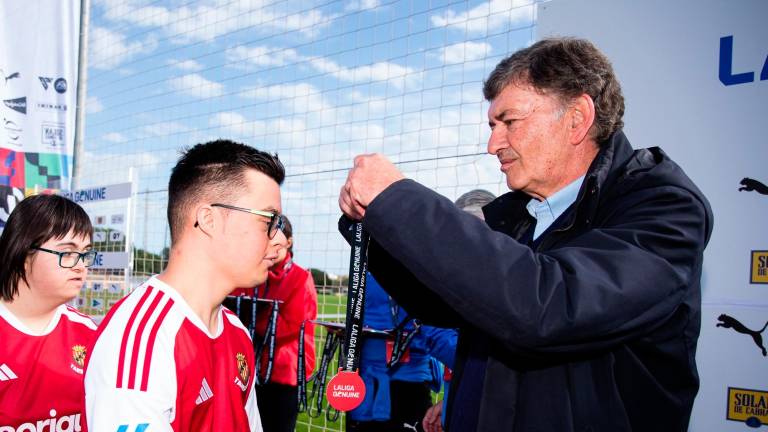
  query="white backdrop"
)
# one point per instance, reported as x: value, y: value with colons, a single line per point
x: 39, y: 42
x: 668, y: 58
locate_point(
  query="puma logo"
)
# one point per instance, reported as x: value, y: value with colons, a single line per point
x: 9, y: 77
x: 407, y: 426
x: 732, y: 323
x: 749, y: 185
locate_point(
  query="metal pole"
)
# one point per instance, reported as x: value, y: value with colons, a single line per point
x: 82, y: 84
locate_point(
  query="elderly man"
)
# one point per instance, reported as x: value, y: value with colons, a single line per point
x: 578, y: 303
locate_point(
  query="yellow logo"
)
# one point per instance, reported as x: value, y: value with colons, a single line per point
x: 242, y: 368
x: 78, y: 355
x: 748, y: 406
x: 759, y: 273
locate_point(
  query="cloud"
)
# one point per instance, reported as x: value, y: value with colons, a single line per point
x: 298, y: 98
x: 108, y: 49
x: 488, y: 17
x: 162, y: 129
x: 93, y: 105
x: 261, y: 56
x: 465, y: 52
x: 361, y: 5
x: 211, y: 19
x: 197, y: 86
x: 380, y: 71
x: 114, y: 137
x: 185, y: 65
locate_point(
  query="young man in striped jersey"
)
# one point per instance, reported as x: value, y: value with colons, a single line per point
x: 168, y: 357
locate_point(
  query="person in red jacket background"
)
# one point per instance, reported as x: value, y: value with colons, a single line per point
x: 293, y: 285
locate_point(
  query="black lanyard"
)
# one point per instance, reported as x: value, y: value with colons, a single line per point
x: 358, y: 266
x: 270, y: 341
x: 301, y: 374
x: 318, y: 386
x: 402, y: 340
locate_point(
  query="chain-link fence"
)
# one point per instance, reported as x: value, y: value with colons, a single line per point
x: 315, y: 81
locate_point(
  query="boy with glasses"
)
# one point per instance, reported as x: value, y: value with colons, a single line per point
x: 169, y: 357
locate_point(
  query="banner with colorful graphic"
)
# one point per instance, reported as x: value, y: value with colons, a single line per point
x: 39, y: 43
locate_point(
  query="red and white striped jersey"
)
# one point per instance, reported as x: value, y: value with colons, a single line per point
x: 155, y: 367
x: 41, y: 375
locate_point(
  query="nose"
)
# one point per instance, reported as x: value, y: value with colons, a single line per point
x: 497, y: 140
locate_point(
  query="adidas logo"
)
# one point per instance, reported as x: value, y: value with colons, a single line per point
x: 205, y: 393
x: 6, y: 374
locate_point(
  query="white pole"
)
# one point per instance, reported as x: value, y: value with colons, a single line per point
x: 82, y: 84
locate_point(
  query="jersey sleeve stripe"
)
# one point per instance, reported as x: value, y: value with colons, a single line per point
x: 151, y: 344
x: 126, y: 334
x: 137, y: 339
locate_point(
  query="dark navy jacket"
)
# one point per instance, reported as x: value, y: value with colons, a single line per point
x: 593, y: 330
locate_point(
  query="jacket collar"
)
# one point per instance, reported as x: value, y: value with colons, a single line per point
x: 506, y: 212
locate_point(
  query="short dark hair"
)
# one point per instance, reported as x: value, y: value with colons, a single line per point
x: 288, y: 231
x: 34, y: 221
x: 565, y: 68
x: 216, y: 168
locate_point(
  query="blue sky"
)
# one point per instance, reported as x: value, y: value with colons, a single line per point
x: 315, y: 81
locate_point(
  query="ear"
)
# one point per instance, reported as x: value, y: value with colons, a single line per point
x: 205, y: 219
x: 581, y: 117
x: 290, y: 243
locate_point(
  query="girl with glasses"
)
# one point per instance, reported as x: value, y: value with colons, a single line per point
x: 45, y: 249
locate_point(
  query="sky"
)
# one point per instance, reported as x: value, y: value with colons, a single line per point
x: 316, y: 82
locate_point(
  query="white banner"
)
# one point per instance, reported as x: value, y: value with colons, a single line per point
x: 39, y: 42
x: 695, y: 79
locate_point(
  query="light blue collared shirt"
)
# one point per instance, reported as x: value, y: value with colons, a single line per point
x: 547, y: 211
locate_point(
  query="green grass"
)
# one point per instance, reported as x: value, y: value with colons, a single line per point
x: 331, y: 304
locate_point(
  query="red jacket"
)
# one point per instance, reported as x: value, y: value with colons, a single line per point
x: 294, y: 286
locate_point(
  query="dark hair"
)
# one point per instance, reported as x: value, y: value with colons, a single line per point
x: 216, y: 168
x: 34, y: 221
x: 288, y: 231
x: 565, y: 68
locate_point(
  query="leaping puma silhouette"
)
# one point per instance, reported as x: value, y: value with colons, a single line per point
x: 732, y: 323
x: 749, y: 185
x: 407, y: 426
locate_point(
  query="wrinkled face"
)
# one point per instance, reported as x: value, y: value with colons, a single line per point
x: 241, y: 239
x: 529, y: 137
x: 47, y: 279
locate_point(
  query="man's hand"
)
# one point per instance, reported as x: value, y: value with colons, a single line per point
x: 432, y: 419
x: 371, y: 174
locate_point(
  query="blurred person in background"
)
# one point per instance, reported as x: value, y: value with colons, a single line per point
x: 45, y: 252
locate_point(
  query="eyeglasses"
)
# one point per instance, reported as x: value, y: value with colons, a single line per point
x: 275, y: 219
x: 70, y: 259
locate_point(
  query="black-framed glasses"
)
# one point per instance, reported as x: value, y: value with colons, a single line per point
x: 70, y: 259
x: 275, y: 219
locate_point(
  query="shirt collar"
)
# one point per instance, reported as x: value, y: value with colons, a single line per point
x: 552, y: 207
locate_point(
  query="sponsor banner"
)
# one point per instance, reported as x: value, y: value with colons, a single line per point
x: 748, y: 406
x: 38, y: 79
x: 100, y: 193
x: 758, y: 273
x: 112, y: 260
